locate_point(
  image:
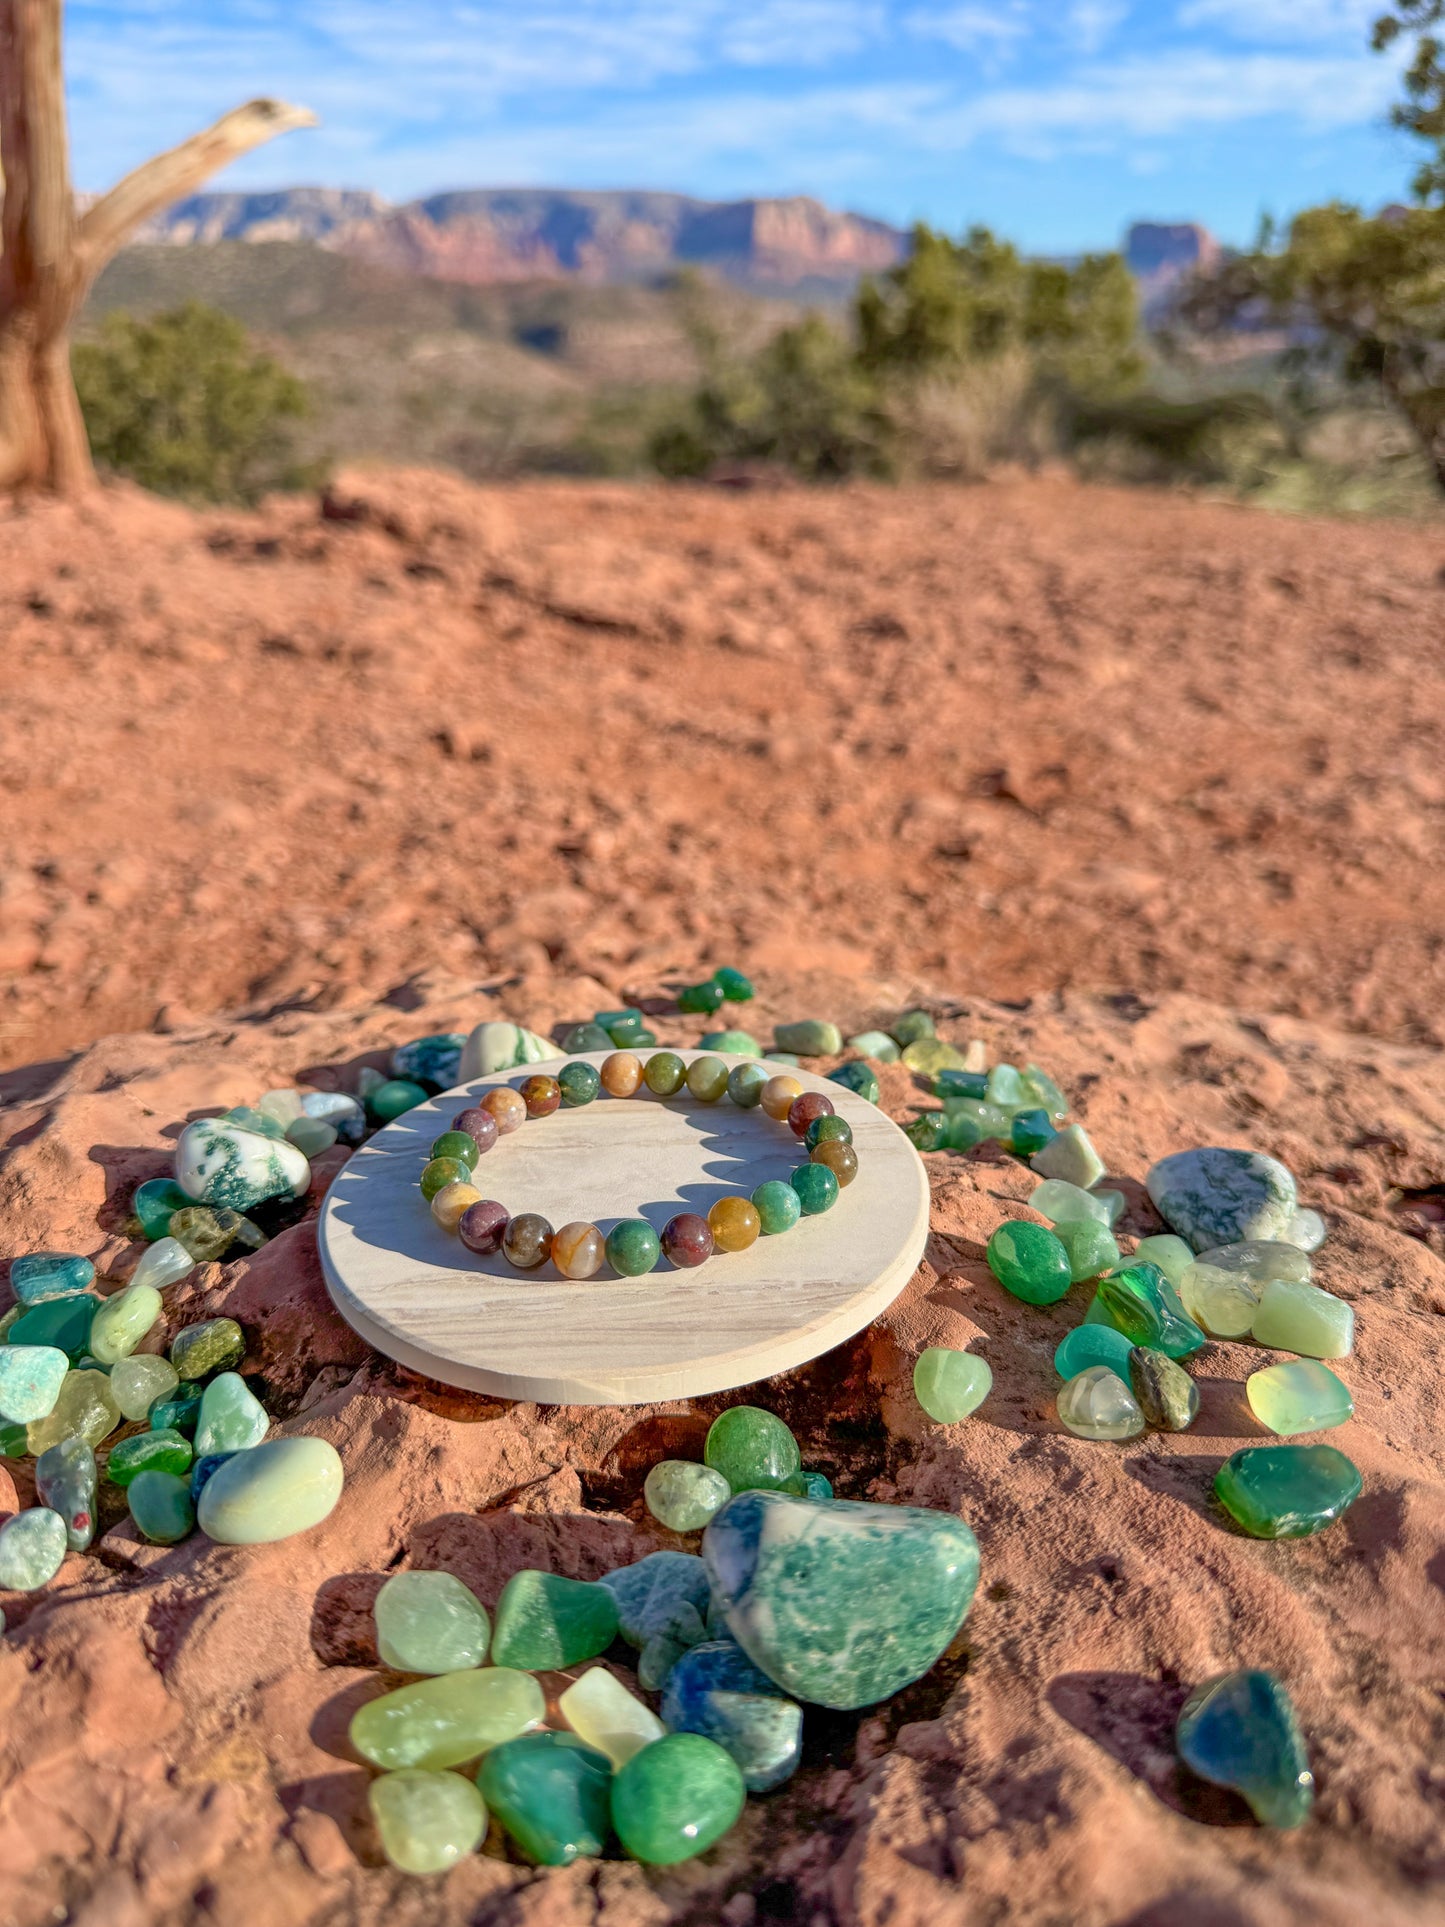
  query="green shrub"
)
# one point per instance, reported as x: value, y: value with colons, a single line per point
x: 183, y: 404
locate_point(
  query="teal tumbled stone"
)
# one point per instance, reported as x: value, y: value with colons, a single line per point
x: 30, y: 1380
x: 552, y: 1793
x: 391, y: 1099
x: 161, y: 1505
x: 1090, y: 1345
x: 1140, y: 1301
x: 735, y: 987
x: 586, y: 1037
x: 63, y: 1323
x: 1030, y: 1132
x: 956, y: 1083
x: 1240, y: 1731
x: 817, y: 1188
x: 1029, y: 1261
x: 1286, y: 1491
x: 148, y: 1452
x: 857, y: 1077
x: 153, y: 1203
x: 753, y: 1449
x: 676, y: 1798
x: 840, y: 1604
x: 811, y: 1485
x: 431, y: 1060
x: 578, y: 1083
x: 42, y: 1275
x: 610, y: 1020
x: 177, y: 1411
x: 633, y: 1248
x: 1092, y: 1247
x: 778, y: 1206
x: 544, y: 1621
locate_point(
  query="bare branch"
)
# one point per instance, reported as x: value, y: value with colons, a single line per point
x: 169, y: 176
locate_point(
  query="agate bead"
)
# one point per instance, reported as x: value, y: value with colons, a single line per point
x: 482, y: 1225
x: 452, y: 1202
x: 578, y: 1083
x: 687, y: 1240
x: 541, y: 1095
x: 827, y: 1128
x: 778, y: 1206
x: 817, y: 1188
x: 621, y: 1073
x: 633, y: 1248
x: 664, y: 1073
x: 441, y: 1172
x: 479, y: 1125
x: 805, y: 1108
x: 707, y: 1079
x: 459, y: 1144
x: 841, y: 1159
x: 734, y: 1223
x: 578, y: 1250
x: 779, y: 1094
x: 745, y: 1085
x: 503, y: 1105
x: 527, y: 1240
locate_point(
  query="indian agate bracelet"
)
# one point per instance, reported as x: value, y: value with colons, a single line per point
x: 632, y: 1247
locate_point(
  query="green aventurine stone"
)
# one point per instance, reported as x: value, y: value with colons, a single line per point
x: 161, y: 1505
x: 1286, y: 1491
x: 32, y: 1549
x: 42, y: 1275
x: 544, y: 1621
x: 429, y: 1622
x: 1240, y: 1731
x: 912, y: 1028
x: 752, y: 1449
x: 1167, y: 1395
x: 633, y: 1248
x: 610, y: 1020
x: 440, y: 1722
x: 1291, y: 1318
x: 949, y: 1385
x: 13, y: 1443
x: 122, y: 1322
x: 676, y: 1798
x: 1092, y: 1247
x: 585, y: 1037
x: 208, y: 1232
x: 178, y: 1411
x: 778, y: 1206
x: 63, y: 1323
x: 579, y: 1084
x: 1300, y: 1396
x: 812, y: 1037
x: 231, y: 1417
x: 683, y: 1496
x: 552, y: 1792
x: 426, y: 1822
x: 1141, y: 1302
x: 86, y: 1409
x: 148, y: 1452
x: 735, y: 987
x: 30, y: 1380
x: 153, y: 1204
x: 213, y: 1346
x: 701, y: 999
x: 1030, y: 1262
x: 817, y: 1188
x: 857, y: 1077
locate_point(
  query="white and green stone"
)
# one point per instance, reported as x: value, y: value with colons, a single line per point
x: 122, y: 1322
x: 683, y: 1495
x: 427, y: 1822
x: 1064, y: 1203
x: 876, y: 1044
x: 32, y: 1549
x: 220, y: 1164
x: 429, y: 1622
x: 501, y: 1047
x: 1097, y: 1404
x: 1217, y: 1196
x: 231, y: 1418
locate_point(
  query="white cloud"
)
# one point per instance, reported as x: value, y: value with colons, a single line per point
x: 1093, y: 23
x: 970, y: 26
x: 1302, y: 23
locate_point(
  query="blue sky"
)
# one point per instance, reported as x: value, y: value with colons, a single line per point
x: 1055, y: 121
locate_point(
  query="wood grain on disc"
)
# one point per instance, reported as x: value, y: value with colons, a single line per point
x: 418, y: 1295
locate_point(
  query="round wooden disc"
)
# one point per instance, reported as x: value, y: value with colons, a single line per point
x: 420, y: 1296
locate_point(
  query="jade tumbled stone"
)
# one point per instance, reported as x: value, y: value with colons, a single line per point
x: 393, y: 1098
x: 1223, y: 1302
x: 1141, y: 1302
x: 1092, y: 1247
x: 683, y: 1496
x: 812, y: 1485
x: 817, y: 1188
x: 778, y: 1206
x: 32, y: 1549
x: 148, y: 1452
x: 429, y: 1622
x: 63, y: 1323
x: 579, y: 1083
x: 859, y: 1078
x: 929, y: 1132
x: 950, y: 1384
x: 1063, y: 1203
x: 1171, y: 1255
x: 1090, y: 1345
x: 231, y: 1417
x: 544, y: 1621
x: 1240, y: 1731
x: 122, y: 1322
x: 676, y: 1799
x: 42, y: 1275
x: 633, y: 1248
x: 1030, y: 1262
x: 1286, y: 1491
x: 162, y: 1507
x: 753, y: 1449
x: 701, y: 999
x: 426, y: 1822
x: 1303, y: 1318
x: 436, y: 1723
x: 586, y: 1037
x: 153, y: 1204
x: 212, y: 1346
x: 274, y: 1490
x: 30, y: 1380
x: 552, y: 1792
x: 178, y: 1410
x: 1299, y: 1396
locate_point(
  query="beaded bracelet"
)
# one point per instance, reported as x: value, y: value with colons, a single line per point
x: 632, y: 1247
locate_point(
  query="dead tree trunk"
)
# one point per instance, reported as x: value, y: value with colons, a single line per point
x: 50, y: 253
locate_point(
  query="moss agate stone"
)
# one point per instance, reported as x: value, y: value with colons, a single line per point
x: 441, y: 1722
x: 32, y: 1549
x: 674, y: 1800
x: 859, y: 1078
x: 1071, y: 1157
x: 579, y: 1084
x: 1097, y: 1404
x: 552, y: 1793
x: 426, y: 1822
x: 839, y: 1603
x: 1299, y: 1396
x: 148, y: 1452
x: 1216, y: 1196
x: 600, y: 1710
x: 122, y: 1322
x: 1303, y: 1318
x: 1240, y: 1731
x: 633, y: 1248
x: 501, y: 1047
x: 220, y: 1164
x: 683, y: 1496
x: 753, y: 1449
x: 162, y: 1507
x: 276, y: 1489
x: 1029, y: 1261
x: 1140, y: 1301
x: 429, y: 1622
x: 85, y: 1409
x: 1092, y: 1247
x: 950, y: 1384
x: 817, y: 1188
x: 212, y: 1346
x: 66, y: 1481
x: 715, y: 1689
x: 1167, y: 1395
x: 62, y: 1323
x: 231, y: 1417
x: 41, y: 1275
x: 1286, y: 1491
x: 544, y: 1621
x: 30, y: 1380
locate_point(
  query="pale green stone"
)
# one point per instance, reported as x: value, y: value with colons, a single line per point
x: 429, y: 1622
x: 1005, y: 1088
x: 285, y: 1106
x: 812, y: 1037
x: 1299, y: 1396
x: 1307, y: 1229
x: 1092, y: 1247
x: 1223, y: 1302
x: 161, y: 1506
x: 86, y: 1409
x: 949, y: 1384
x: 32, y: 1549
x: 1305, y: 1319
x: 1071, y: 1157
x: 930, y: 1055
x: 231, y: 1418
x: 1099, y: 1405
x: 440, y: 1722
x: 913, y: 1027
x: 30, y: 1380
x: 220, y: 1164
x: 1041, y: 1090
x: 1261, y: 1259
x: 280, y: 1487
x: 876, y: 1044
x: 427, y: 1822
x: 66, y: 1481
x: 683, y: 1495
x: 164, y: 1263
x: 1171, y: 1254
x: 1115, y: 1205
x: 1218, y: 1196
x: 1063, y: 1203
x: 600, y: 1710
x: 501, y: 1047
x: 138, y: 1381
x: 311, y: 1136
x: 122, y: 1322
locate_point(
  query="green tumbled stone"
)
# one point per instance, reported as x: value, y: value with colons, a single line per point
x: 311, y: 1136
x: 179, y: 1410
x: 212, y: 1346
x: 1261, y: 1259
x: 1115, y: 1205
x: 273, y: 1491
x: 1223, y: 1302
x: 817, y: 1188
x: 1039, y: 1088
x: 745, y: 1084
x: 1092, y: 1247
x: 928, y: 1132
x: 250, y: 1119
x: 165, y: 1263
x: 1031, y: 1131
x: 86, y: 1409
x: 753, y: 1449
x: 429, y: 1622
x: 1240, y: 1731
x: 786, y: 1057
x: 857, y: 1077
x: 578, y: 1083
x: 912, y: 1028
x: 971, y: 1120
x: 1063, y: 1203
x: 949, y: 1384
x: 1140, y: 1301
x: 931, y: 1055
x: 148, y: 1452
x: 632, y: 1037
x: 426, y: 1822
x: 735, y: 987
x: 32, y: 1549
x: 138, y: 1381
x: 1167, y: 1395
x: 544, y: 1621
x: 676, y: 1798
x: 208, y: 1233
x: 586, y: 1037
x: 63, y: 1323
x: 1286, y: 1491
x: 610, y: 1020
x: 1171, y: 1255
x: 876, y: 1044
x: 14, y: 1443
x: 813, y: 1485
x: 737, y: 1043
x: 1299, y: 1396
x: 393, y: 1098
x: 1097, y: 1404
x: 778, y: 1206
x: 43, y: 1275
x: 219, y: 1163
x: 122, y: 1322
x: 30, y: 1380
x: 66, y: 1481
x: 459, y: 1145
x: 839, y: 1603
x: 231, y: 1418
x: 683, y: 1496
x: 633, y: 1248
x: 162, y: 1507
x: 956, y: 1084
x: 1005, y: 1088
x: 1090, y: 1345
x: 701, y: 999
x: 1030, y: 1262
x: 812, y: 1037
x: 440, y: 1722
x: 1297, y: 1318
x: 552, y: 1792
x: 1071, y: 1157
x: 153, y: 1204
